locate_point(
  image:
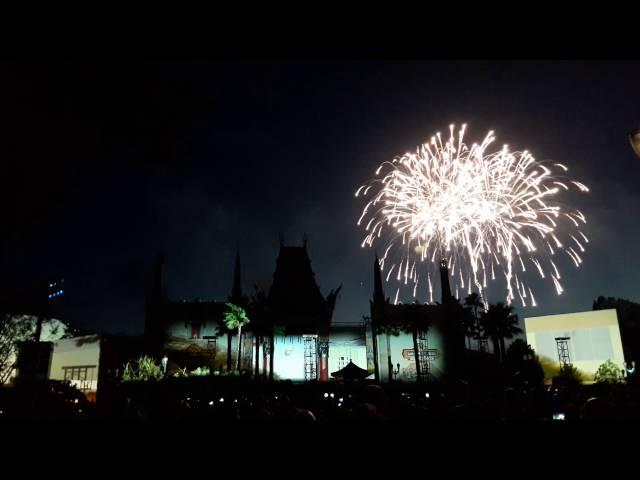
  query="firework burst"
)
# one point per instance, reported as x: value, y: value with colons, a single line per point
x: 491, y: 215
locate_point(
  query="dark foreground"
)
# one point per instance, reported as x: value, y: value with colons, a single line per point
x: 207, y: 399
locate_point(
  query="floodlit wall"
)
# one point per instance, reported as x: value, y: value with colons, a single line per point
x: 183, y: 351
x: 288, y: 359
x: 347, y: 346
x: 182, y: 330
x: 594, y: 337
x: 400, y: 349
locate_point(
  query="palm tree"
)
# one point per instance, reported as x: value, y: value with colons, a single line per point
x: 236, y: 317
x: 468, y: 324
x: 473, y: 328
x: 229, y: 335
x: 499, y: 323
x: 394, y: 327
x: 461, y: 319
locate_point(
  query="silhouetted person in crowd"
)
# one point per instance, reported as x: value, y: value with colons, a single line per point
x: 598, y: 409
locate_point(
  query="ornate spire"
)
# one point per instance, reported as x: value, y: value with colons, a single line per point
x: 378, y: 293
x: 444, y: 281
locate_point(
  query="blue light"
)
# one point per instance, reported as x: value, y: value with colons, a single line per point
x: 49, y: 296
x: 61, y: 292
x: 50, y: 285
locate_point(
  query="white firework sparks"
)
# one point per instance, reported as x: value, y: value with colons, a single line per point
x: 483, y: 211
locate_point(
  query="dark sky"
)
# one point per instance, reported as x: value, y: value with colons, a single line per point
x: 106, y: 164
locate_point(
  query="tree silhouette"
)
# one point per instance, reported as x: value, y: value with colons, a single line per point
x: 568, y: 375
x: 468, y: 325
x: 500, y: 322
x: 11, y: 332
x: 19, y: 328
x: 521, y: 360
x: 236, y: 317
x: 629, y: 322
x: 472, y: 326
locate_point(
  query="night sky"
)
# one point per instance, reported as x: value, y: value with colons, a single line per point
x: 107, y: 164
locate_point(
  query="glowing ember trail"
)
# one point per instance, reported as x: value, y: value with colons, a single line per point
x: 486, y: 212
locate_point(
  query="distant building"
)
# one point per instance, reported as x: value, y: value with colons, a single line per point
x: 291, y: 337
x: 77, y: 360
x: 348, y: 343
x: 584, y: 339
x: 91, y: 363
x: 288, y: 333
x: 629, y: 322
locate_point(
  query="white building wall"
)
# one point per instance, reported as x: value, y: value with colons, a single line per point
x: 594, y: 337
x: 347, y: 344
x: 288, y: 359
x: 340, y: 355
x: 77, y: 352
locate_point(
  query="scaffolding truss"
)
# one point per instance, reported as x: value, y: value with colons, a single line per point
x: 563, y: 350
x: 423, y: 346
x: 310, y: 357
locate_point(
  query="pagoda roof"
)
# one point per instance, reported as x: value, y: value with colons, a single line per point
x: 294, y: 297
x: 351, y: 372
x: 294, y: 286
